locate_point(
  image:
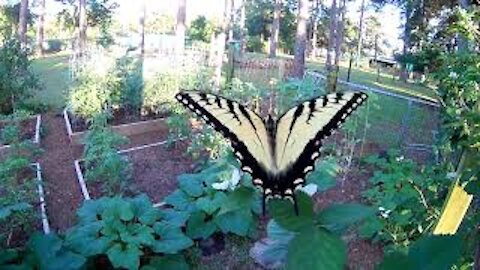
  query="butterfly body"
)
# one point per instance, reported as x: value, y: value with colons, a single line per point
x: 277, y: 153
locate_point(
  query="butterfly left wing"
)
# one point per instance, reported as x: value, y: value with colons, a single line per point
x: 246, y: 130
x: 301, y: 130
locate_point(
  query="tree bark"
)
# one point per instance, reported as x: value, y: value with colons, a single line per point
x: 40, y: 28
x: 329, y: 66
x: 23, y: 23
x: 315, y: 28
x: 406, y: 39
x: 243, y: 32
x: 142, y: 29
x: 300, y: 39
x: 275, y: 28
x: 180, y: 27
x: 360, y: 34
x: 339, y: 35
x: 221, y: 46
x: 82, y: 27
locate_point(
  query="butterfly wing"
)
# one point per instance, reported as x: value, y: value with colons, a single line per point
x: 246, y: 130
x: 301, y: 130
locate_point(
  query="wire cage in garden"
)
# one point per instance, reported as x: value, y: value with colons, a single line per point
x: 393, y: 121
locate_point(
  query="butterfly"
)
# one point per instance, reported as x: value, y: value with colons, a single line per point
x: 277, y: 153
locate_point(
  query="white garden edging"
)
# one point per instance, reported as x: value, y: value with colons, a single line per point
x: 41, y: 195
x: 83, y: 183
x: 130, y: 129
x: 36, y: 137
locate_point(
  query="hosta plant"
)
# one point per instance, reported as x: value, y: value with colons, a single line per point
x: 124, y: 230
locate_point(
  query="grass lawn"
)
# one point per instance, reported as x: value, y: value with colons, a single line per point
x: 52, y: 70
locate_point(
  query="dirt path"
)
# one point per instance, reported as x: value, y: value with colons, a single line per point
x: 63, y: 192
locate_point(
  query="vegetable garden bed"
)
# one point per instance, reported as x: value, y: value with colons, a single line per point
x: 29, y: 130
x: 18, y: 236
x: 126, y: 125
x: 154, y: 171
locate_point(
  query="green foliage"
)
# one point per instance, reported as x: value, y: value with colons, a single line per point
x: 124, y: 230
x: 17, y: 186
x: 102, y: 161
x: 201, y: 29
x: 255, y: 44
x: 17, y: 81
x: 169, y: 262
x: 128, y: 91
x: 42, y: 252
x: 409, y: 199
x: 211, y: 207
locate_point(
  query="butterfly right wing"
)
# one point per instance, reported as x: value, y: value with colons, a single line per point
x: 246, y: 130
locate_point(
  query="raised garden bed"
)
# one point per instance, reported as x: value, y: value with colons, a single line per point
x: 154, y: 171
x: 40, y: 222
x: 29, y: 130
x: 122, y: 124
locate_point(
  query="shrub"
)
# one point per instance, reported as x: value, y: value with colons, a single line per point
x: 124, y: 230
x: 201, y: 29
x: 102, y: 161
x: 54, y: 45
x: 255, y: 44
x: 17, y: 81
x: 130, y: 84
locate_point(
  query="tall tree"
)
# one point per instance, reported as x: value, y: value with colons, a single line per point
x: 180, y: 27
x: 82, y: 26
x: 329, y: 65
x: 360, y: 34
x: 315, y: 21
x: 340, y: 35
x: 243, y: 33
x: 23, y: 22
x: 41, y: 28
x: 300, y: 39
x: 275, y: 28
x: 220, y: 44
x: 143, y: 12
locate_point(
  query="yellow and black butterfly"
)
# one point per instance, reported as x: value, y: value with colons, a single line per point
x: 278, y: 154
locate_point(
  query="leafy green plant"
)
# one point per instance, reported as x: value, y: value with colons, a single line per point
x: 17, y: 80
x: 215, y: 208
x: 124, y: 230
x: 102, y: 161
x: 42, y: 252
x: 17, y: 215
x: 408, y: 198
x: 208, y: 141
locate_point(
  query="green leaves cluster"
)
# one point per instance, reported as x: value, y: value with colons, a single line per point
x: 124, y: 230
x: 207, y: 210
x: 409, y: 199
x: 102, y: 161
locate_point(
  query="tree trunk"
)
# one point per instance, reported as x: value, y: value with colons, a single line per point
x: 360, y: 34
x: 329, y: 67
x: 315, y: 28
x: 275, y: 28
x: 40, y: 28
x: 406, y: 39
x: 82, y: 27
x: 142, y: 29
x: 180, y: 28
x: 22, y: 23
x: 462, y: 42
x: 300, y: 39
x: 221, y: 46
x: 243, y: 32
x: 231, y: 20
x: 339, y: 36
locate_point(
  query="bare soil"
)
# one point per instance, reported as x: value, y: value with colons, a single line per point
x: 27, y: 128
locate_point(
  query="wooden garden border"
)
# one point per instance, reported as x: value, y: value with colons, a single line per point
x: 36, y: 138
x: 41, y: 195
x: 130, y: 129
x: 81, y: 178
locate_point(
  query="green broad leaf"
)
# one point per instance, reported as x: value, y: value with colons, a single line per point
x: 120, y: 208
x: 174, y: 217
x: 316, y: 249
x: 6, y: 211
x: 126, y: 257
x: 172, y: 239
x: 139, y: 234
x: 91, y: 210
x: 167, y: 262
x: 284, y: 214
x: 324, y: 174
x: 179, y: 200
x: 370, y: 227
x: 85, y: 240
x: 190, y: 185
x: 240, y: 199
x: 144, y: 210
x: 198, y: 228
x: 396, y: 261
x: 338, y: 217
x: 431, y: 253
x: 238, y: 222
x: 8, y: 256
x: 210, y: 205
x: 275, y: 249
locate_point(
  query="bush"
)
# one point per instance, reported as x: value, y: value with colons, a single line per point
x: 17, y: 81
x: 201, y: 29
x: 54, y: 45
x: 255, y: 44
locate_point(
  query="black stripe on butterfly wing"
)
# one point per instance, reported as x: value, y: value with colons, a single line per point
x: 306, y: 161
x: 248, y: 163
x: 296, y: 115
